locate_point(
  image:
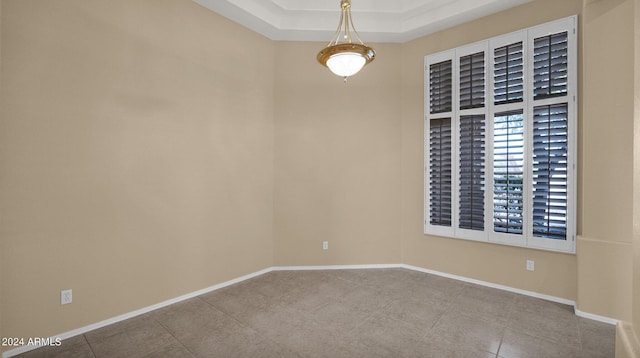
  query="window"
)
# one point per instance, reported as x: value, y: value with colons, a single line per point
x: 501, y: 139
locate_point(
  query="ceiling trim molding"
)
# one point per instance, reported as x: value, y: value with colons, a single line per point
x: 376, y: 20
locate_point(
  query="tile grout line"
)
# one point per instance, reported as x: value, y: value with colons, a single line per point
x: 243, y: 324
x: 172, y: 335
x: 506, y: 325
x: 551, y: 339
x: 579, y: 334
x: 258, y: 332
x: 89, y: 344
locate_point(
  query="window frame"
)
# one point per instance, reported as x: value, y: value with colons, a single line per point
x: 489, y: 110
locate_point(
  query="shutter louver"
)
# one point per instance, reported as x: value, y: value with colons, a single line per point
x: 440, y: 172
x: 440, y: 87
x: 550, y: 66
x: 508, y: 74
x: 550, y: 147
x: 472, y: 81
x: 508, y: 170
x: 472, y: 152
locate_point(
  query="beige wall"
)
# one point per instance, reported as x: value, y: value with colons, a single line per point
x: 136, y: 157
x: 146, y: 153
x: 636, y: 173
x: 635, y: 298
x: 604, y: 247
x: 337, y: 159
x: 555, y: 273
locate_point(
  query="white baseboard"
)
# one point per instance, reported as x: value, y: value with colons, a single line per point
x: 135, y: 313
x: 519, y: 291
x: 494, y: 285
x: 335, y: 267
x: 144, y: 310
x: 595, y: 317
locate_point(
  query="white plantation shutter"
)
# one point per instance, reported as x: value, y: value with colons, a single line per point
x: 472, y: 172
x: 472, y: 81
x: 508, y: 172
x: 550, y: 65
x: 440, y: 95
x: 471, y: 124
x: 508, y: 74
x: 440, y: 172
x: 550, y: 144
x: 500, y: 139
x: 439, y: 188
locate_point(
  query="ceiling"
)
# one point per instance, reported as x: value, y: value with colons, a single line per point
x: 375, y: 20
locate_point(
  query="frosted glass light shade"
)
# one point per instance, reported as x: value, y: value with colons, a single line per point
x: 346, y: 64
x: 346, y: 59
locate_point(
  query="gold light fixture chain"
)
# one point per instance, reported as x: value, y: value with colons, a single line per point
x: 347, y: 21
x: 341, y: 55
x: 336, y: 35
x: 354, y: 30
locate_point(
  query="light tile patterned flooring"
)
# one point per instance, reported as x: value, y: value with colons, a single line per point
x: 350, y: 313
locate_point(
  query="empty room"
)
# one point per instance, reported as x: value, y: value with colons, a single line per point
x: 320, y: 178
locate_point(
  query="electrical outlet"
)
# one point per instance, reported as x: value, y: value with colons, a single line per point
x: 325, y: 245
x: 531, y: 265
x: 66, y: 297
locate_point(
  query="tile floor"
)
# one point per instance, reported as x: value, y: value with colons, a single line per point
x: 349, y: 313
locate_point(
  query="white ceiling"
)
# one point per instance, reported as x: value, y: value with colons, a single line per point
x: 375, y: 20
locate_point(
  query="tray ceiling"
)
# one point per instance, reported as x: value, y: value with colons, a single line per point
x: 375, y: 20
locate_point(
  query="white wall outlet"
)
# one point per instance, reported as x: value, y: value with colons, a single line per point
x: 531, y: 265
x: 325, y: 245
x: 66, y: 297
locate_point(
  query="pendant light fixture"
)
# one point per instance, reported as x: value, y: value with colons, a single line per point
x: 342, y: 56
